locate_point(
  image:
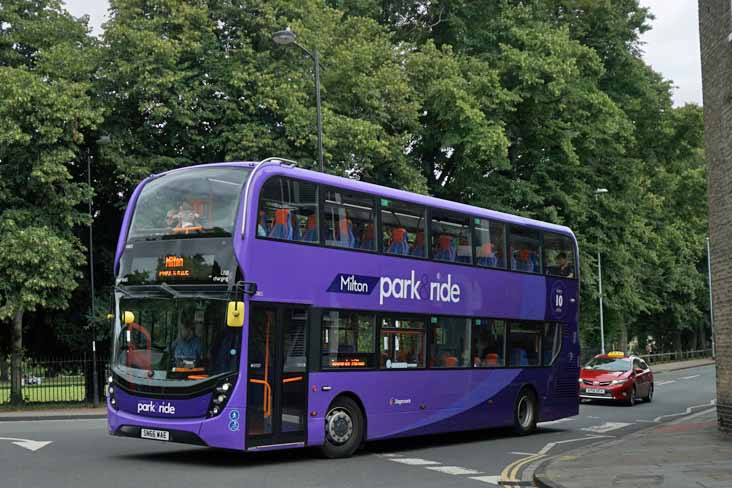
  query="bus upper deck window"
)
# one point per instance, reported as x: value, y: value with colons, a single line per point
x: 403, y: 225
x: 288, y: 210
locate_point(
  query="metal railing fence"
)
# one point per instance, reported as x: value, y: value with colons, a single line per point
x: 666, y: 357
x: 57, y: 380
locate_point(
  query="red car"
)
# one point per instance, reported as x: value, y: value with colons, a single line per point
x: 615, y: 376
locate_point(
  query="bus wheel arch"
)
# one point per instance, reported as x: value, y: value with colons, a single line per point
x: 345, y: 426
x: 526, y: 410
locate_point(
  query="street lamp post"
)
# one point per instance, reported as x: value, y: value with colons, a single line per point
x: 102, y: 140
x: 599, y: 192
x: 286, y: 37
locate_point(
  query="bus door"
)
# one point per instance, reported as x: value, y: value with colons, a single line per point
x: 277, y: 375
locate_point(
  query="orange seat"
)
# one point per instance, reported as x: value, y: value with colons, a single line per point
x: 491, y: 359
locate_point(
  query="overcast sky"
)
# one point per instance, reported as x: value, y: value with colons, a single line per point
x: 671, y: 47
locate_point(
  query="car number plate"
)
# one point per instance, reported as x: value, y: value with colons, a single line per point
x: 158, y: 435
x: 596, y: 390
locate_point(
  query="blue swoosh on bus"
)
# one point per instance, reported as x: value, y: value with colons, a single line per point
x: 355, y: 284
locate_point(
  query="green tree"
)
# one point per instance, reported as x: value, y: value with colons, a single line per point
x: 44, y: 107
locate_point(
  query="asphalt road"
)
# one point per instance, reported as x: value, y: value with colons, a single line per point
x: 81, y: 454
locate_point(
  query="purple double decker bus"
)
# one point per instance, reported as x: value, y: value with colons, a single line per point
x: 262, y: 306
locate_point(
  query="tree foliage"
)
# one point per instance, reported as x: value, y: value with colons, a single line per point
x: 522, y: 106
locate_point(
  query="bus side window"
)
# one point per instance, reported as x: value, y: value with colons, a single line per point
x: 450, y: 237
x: 450, y: 347
x: 403, y: 225
x: 525, y: 250
x: 558, y: 255
x: 488, y: 339
x: 489, y: 240
x: 349, y: 220
x: 523, y: 344
x: 402, y: 343
x: 288, y: 210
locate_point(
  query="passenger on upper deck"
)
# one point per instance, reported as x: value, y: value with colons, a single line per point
x: 184, y: 217
x: 564, y: 268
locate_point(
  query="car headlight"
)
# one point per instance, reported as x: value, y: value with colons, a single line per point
x: 579, y: 379
x: 618, y: 382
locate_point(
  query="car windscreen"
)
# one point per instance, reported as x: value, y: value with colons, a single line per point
x: 609, y: 364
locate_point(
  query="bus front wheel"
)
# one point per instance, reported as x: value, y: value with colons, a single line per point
x: 525, y: 412
x: 343, y: 428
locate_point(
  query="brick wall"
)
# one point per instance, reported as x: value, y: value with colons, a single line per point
x: 715, y: 28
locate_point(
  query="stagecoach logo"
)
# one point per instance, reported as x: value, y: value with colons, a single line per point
x: 406, y: 288
x: 397, y: 401
x: 153, y: 407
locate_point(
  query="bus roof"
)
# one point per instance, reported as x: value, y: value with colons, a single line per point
x: 283, y: 167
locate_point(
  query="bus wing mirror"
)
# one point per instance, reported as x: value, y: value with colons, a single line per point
x: 235, y: 314
x: 128, y: 317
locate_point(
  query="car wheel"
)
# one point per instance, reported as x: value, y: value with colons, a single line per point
x: 631, y: 398
x: 649, y: 397
x: 525, y: 412
x: 344, y: 428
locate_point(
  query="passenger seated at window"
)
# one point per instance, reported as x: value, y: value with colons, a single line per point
x: 445, y: 250
x: 418, y: 250
x: 522, y: 261
x: 486, y: 255
x: 184, y: 217
x: 399, y: 241
x: 262, y: 227
x: 311, y: 229
x: 367, y: 237
x: 463, y: 250
x: 564, y: 268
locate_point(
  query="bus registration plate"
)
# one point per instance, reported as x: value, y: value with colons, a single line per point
x: 158, y: 435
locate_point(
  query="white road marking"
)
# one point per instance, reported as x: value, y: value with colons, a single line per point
x: 518, y: 453
x: 591, y: 417
x: 549, y: 446
x: 390, y: 455
x: 544, y: 424
x: 661, y: 383
x: 454, y: 470
x: 27, y: 443
x: 606, y: 427
x: 689, y: 377
x: 688, y: 410
x: 414, y: 461
x: 487, y: 479
x: 646, y: 421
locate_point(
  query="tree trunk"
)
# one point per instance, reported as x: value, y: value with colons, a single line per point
x: 623, y: 337
x: 677, y: 343
x: 4, y: 368
x: 702, y: 337
x: 16, y: 393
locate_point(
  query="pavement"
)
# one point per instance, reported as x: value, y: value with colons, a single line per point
x: 688, y: 452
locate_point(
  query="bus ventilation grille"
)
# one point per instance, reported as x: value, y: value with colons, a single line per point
x: 566, y: 385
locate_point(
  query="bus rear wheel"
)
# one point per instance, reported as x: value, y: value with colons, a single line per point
x: 343, y: 428
x: 525, y: 412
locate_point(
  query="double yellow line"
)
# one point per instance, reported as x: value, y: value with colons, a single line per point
x: 509, y: 473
